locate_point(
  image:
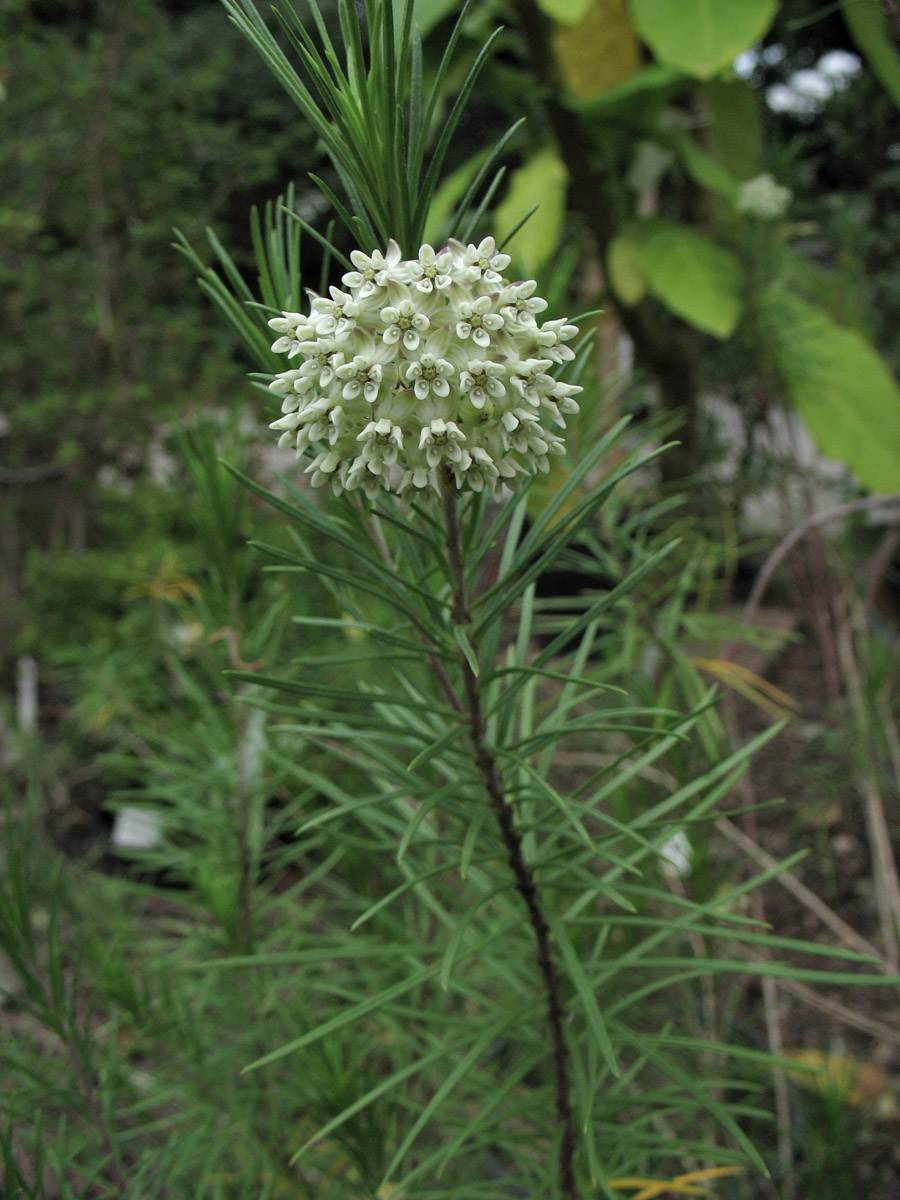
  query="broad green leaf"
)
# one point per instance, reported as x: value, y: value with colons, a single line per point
x: 869, y: 29
x: 541, y: 181
x: 568, y: 12
x: 841, y: 388
x: 698, y: 280
x: 597, y: 52
x: 692, y: 276
x: 623, y: 268
x: 700, y: 37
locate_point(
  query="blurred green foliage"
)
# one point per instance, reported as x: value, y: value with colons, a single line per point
x: 118, y: 122
x: 126, y: 569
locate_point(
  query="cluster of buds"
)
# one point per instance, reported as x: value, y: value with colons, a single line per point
x: 422, y: 366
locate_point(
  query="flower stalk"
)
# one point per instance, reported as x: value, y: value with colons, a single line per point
x: 525, y: 881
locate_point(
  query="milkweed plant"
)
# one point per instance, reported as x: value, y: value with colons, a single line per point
x: 538, y: 1031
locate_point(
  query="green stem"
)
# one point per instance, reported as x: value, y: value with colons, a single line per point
x: 526, y: 884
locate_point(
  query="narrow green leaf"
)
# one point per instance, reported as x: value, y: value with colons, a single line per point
x: 539, y: 187
x: 487, y: 164
x: 386, y: 1085
x: 692, y: 1087
x: 462, y: 640
x: 437, y: 747
x: 449, y: 195
x: 437, y: 89
x: 324, y: 241
x: 401, y: 889
x: 586, y: 995
x: 449, y: 128
x: 463, y: 1065
x: 347, y: 1017
x: 469, y: 843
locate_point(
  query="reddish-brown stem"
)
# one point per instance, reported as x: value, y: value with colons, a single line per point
x: 526, y: 884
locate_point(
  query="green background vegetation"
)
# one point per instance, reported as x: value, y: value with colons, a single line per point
x: 126, y: 576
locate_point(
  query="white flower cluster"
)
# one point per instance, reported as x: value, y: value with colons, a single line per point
x: 763, y: 197
x: 422, y: 365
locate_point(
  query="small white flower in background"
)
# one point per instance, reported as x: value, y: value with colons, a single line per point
x: 420, y: 366
x: 763, y: 197
x: 676, y: 856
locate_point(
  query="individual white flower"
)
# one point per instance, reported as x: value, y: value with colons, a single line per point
x: 563, y: 393
x: 295, y: 329
x: 322, y: 466
x: 429, y: 374
x: 517, y: 305
x: 339, y: 423
x: 442, y: 441
x: 482, y: 262
x: 404, y: 324
x: 422, y: 368
x: 481, y: 380
x: 531, y: 381
x: 374, y: 271
x: 320, y: 365
x: 763, y: 197
x: 477, y: 321
x: 361, y: 376
x: 550, y: 338
x: 431, y: 271
x: 382, y: 442
x: 283, y: 385
x: 475, y: 470
x: 336, y: 317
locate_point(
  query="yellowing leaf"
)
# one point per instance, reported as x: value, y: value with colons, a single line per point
x: 569, y: 12
x: 698, y: 280
x: 700, y: 37
x: 165, y: 582
x: 681, y: 1185
x: 598, y: 51
x: 752, y: 687
x: 838, y: 1074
